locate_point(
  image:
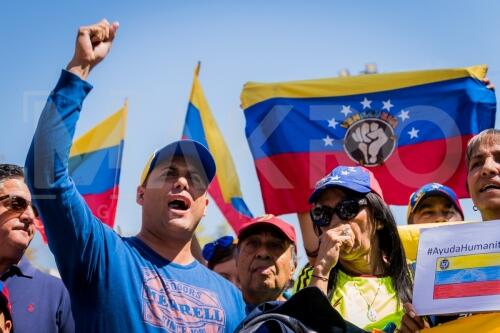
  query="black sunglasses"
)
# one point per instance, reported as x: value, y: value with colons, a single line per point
x: 346, y: 210
x: 17, y: 204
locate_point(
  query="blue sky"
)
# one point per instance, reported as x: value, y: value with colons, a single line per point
x: 159, y: 43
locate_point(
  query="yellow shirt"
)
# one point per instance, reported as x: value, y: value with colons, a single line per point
x: 368, y: 302
x: 354, y: 297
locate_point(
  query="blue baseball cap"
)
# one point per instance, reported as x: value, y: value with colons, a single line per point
x: 429, y: 190
x: 198, y: 154
x: 357, y: 179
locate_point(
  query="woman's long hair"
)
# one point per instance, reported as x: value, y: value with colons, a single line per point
x: 391, y: 248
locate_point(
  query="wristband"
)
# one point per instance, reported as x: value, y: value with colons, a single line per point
x: 322, y: 278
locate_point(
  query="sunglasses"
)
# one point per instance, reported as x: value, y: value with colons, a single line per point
x: 17, y: 204
x: 210, y: 248
x: 346, y: 210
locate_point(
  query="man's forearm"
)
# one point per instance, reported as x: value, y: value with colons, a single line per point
x: 47, y: 159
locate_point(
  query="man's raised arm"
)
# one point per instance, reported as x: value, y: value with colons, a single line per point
x: 68, y: 221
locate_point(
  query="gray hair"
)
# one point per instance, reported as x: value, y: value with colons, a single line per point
x: 487, y: 135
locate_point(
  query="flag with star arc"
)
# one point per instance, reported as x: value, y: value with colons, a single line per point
x: 409, y: 128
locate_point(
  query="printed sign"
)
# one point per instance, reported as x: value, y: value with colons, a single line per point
x: 458, y: 269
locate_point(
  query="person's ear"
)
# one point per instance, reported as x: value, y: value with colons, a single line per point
x: 8, y: 326
x: 140, y: 195
x: 206, y: 204
x: 293, y: 266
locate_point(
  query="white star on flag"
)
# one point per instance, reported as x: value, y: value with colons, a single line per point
x: 346, y: 109
x: 404, y: 115
x: 387, y: 105
x: 366, y: 103
x: 328, y: 141
x: 332, y: 123
x: 413, y: 133
x: 335, y: 177
x: 345, y: 173
x: 436, y: 186
x: 352, y: 169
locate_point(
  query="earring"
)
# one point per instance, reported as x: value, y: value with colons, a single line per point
x: 474, y: 208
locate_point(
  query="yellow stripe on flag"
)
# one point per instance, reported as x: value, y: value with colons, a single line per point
x: 229, y: 182
x: 469, y: 261
x: 106, y: 134
x: 254, y: 92
x: 410, y: 234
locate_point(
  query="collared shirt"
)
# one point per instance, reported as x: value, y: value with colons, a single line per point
x: 40, y: 302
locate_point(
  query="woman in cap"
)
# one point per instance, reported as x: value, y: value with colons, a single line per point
x: 360, y: 262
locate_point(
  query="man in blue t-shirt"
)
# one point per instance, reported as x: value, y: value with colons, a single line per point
x: 147, y: 283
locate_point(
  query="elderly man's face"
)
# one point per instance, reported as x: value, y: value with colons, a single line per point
x: 265, y: 265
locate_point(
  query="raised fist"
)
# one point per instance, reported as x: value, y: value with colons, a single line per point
x: 370, y: 138
x: 93, y: 43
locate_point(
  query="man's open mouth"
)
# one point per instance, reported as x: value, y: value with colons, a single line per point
x: 179, y: 203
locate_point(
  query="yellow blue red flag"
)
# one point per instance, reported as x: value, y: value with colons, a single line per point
x: 95, y: 164
x: 409, y: 128
x: 225, y: 190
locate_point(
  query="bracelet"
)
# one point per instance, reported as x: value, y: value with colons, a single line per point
x: 322, y: 278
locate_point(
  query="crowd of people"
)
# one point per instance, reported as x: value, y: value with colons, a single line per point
x: 154, y: 281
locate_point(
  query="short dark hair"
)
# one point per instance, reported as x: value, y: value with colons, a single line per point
x: 10, y: 171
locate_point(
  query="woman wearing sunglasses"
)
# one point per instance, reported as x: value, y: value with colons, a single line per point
x: 360, y: 262
x: 221, y: 258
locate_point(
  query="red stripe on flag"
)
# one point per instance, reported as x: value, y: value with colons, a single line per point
x: 234, y: 218
x: 103, y: 205
x: 287, y: 180
x: 469, y: 289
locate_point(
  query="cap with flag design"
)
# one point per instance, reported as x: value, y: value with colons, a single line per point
x: 357, y: 179
x: 429, y: 190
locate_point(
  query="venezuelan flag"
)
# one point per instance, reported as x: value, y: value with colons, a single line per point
x: 95, y: 164
x: 225, y: 190
x: 410, y: 128
x: 467, y: 276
